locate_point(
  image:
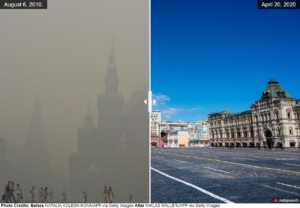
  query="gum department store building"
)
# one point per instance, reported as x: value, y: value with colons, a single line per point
x: 273, y: 121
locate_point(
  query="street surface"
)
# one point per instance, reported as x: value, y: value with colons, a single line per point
x: 217, y: 175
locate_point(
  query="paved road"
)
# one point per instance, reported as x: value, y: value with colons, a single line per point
x: 198, y: 175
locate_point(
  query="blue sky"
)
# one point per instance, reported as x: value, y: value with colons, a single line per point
x: 210, y: 56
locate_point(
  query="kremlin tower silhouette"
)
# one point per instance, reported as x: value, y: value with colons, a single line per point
x: 116, y: 154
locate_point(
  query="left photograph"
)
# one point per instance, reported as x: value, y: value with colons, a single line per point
x: 74, y: 126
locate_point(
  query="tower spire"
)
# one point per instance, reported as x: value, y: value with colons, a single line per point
x: 111, y: 80
x: 112, y: 58
x: 36, y: 128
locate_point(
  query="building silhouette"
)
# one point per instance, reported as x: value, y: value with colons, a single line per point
x: 116, y: 154
x: 36, y: 154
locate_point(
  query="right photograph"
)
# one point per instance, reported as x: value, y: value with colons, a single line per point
x: 225, y: 121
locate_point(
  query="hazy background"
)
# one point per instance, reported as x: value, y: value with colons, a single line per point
x: 62, y: 54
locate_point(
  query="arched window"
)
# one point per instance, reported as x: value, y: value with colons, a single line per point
x: 276, y: 114
x: 262, y: 117
x: 289, y: 113
x: 290, y: 130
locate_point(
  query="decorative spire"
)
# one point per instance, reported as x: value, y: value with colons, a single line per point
x: 111, y: 79
x: 112, y: 58
x: 88, y: 122
x: 36, y: 129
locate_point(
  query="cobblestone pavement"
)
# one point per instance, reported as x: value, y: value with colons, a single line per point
x: 237, y: 175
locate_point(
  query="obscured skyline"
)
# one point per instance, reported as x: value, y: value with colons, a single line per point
x: 62, y: 54
x: 210, y: 56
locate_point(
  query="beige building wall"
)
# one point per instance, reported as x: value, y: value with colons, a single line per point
x: 183, y: 139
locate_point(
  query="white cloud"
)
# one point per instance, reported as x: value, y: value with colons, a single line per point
x: 160, y: 98
x: 192, y: 109
x: 170, y: 111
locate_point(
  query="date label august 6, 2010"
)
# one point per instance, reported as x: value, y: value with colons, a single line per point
x: 40, y: 4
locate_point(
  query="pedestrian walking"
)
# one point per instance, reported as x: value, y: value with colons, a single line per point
x: 64, y: 195
x: 19, y: 193
x: 10, y: 193
x: 6, y: 191
x: 32, y: 192
x: 51, y: 195
x: 130, y: 198
x: 45, y: 194
x: 110, y: 194
x: 105, y: 192
x: 85, y: 193
x: 41, y: 194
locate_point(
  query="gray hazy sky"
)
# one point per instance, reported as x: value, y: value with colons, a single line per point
x: 62, y: 54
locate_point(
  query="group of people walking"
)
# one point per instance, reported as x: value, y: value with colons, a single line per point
x: 9, y: 192
x: 108, y: 193
x: 42, y: 194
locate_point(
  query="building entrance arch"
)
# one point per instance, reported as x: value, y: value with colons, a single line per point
x: 269, y: 140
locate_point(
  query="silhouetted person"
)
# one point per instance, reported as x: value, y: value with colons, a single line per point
x: 11, y: 192
x: 105, y: 192
x: 130, y: 198
x: 51, y: 195
x: 45, y: 193
x: 19, y: 193
x: 85, y: 193
x: 6, y: 191
x: 64, y: 195
x: 110, y: 194
x: 41, y: 194
x: 32, y: 193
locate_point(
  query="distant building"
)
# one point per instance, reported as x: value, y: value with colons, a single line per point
x: 36, y: 154
x: 178, y: 138
x: 157, y: 140
x: 116, y: 152
x: 161, y: 124
x: 273, y: 121
x: 201, y: 134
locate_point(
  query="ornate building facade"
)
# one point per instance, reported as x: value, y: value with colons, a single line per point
x: 201, y: 135
x: 273, y: 121
x: 116, y: 153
